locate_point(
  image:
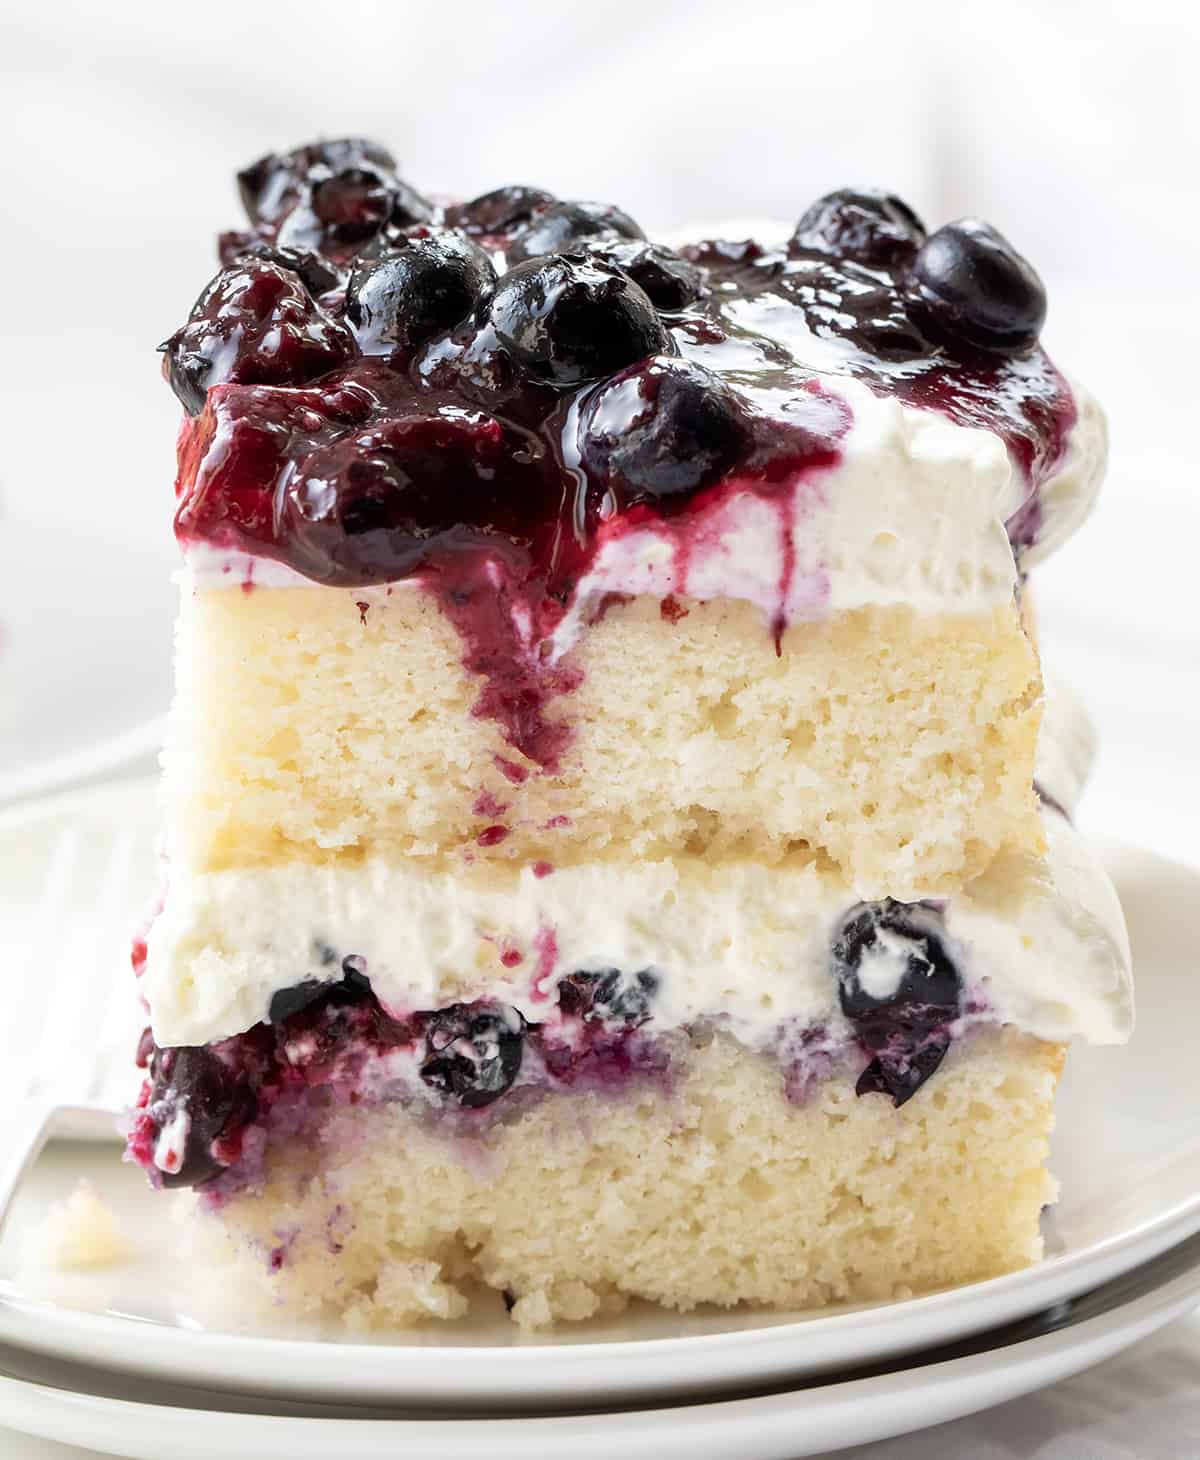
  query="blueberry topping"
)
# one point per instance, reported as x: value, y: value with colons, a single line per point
x: 833, y: 292
x: 473, y: 1051
x: 609, y: 995
x: 329, y: 194
x: 192, y: 1099
x: 969, y: 284
x: 561, y: 226
x: 255, y: 324
x: 396, y: 493
x: 272, y: 184
x: 899, y: 988
x: 316, y: 273
x: 866, y: 224
x: 661, y: 429
x: 670, y: 281
x: 353, y: 204
x: 416, y: 288
x: 567, y: 319
x: 498, y: 212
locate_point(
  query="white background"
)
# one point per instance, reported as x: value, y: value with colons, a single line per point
x: 1074, y: 127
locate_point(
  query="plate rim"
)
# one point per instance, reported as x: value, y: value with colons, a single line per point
x: 908, y: 1397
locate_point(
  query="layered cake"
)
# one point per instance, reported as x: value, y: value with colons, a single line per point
x: 606, y: 853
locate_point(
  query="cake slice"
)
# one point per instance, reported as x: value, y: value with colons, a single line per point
x: 604, y: 852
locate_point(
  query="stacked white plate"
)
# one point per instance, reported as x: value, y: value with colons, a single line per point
x: 118, y: 1359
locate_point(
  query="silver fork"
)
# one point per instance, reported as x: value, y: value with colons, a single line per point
x: 68, y: 1069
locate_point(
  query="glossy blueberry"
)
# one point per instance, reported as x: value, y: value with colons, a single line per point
x: 608, y: 995
x: 255, y: 324
x: 379, y: 501
x: 670, y: 282
x: 567, y: 318
x: 498, y: 212
x: 473, y: 1051
x: 900, y: 990
x: 353, y: 204
x: 661, y: 429
x: 891, y: 953
x: 271, y: 185
x: 192, y: 1093
x: 561, y: 226
x: 866, y: 224
x: 415, y: 288
x: 968, y: 284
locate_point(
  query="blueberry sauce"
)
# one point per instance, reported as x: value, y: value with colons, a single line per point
x: 206, y: 1111
x: 481, y: 397
x: 203, y: 1109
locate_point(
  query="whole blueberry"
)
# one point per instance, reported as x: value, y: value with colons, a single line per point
x: 609, y: 996
x: 255, y: 324
x: 416, y: 288
x: 500, y: 211
x: 566, y: 319
x: 558, y: 228
x: 376, y: 503
x: 661, y: 429
x: 866, y: 224
x: 969, y: 284
x: 473, y: 1051
x: 670, y: 282
x: 888, y: 954
x: 900, y: 990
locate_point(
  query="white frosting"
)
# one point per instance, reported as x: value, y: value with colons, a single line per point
x: 913, y: 513
x: 1043, y: 941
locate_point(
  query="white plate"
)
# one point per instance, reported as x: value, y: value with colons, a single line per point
x: 144, y: 1420
x: 86, y: 614
x: 1127, y: 1151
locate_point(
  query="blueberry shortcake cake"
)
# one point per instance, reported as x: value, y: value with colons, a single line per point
x: 605, y: 853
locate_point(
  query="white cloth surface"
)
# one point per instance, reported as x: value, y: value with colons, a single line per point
x: 1142, y: 1405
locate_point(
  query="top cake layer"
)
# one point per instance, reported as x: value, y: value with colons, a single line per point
x: 380, y: 389
x: 711, y: 551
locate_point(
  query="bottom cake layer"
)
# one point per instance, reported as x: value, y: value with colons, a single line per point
x: 719, y: 1187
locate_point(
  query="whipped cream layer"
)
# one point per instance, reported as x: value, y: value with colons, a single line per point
x: 913, y: 513
x: 1039, y: 943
